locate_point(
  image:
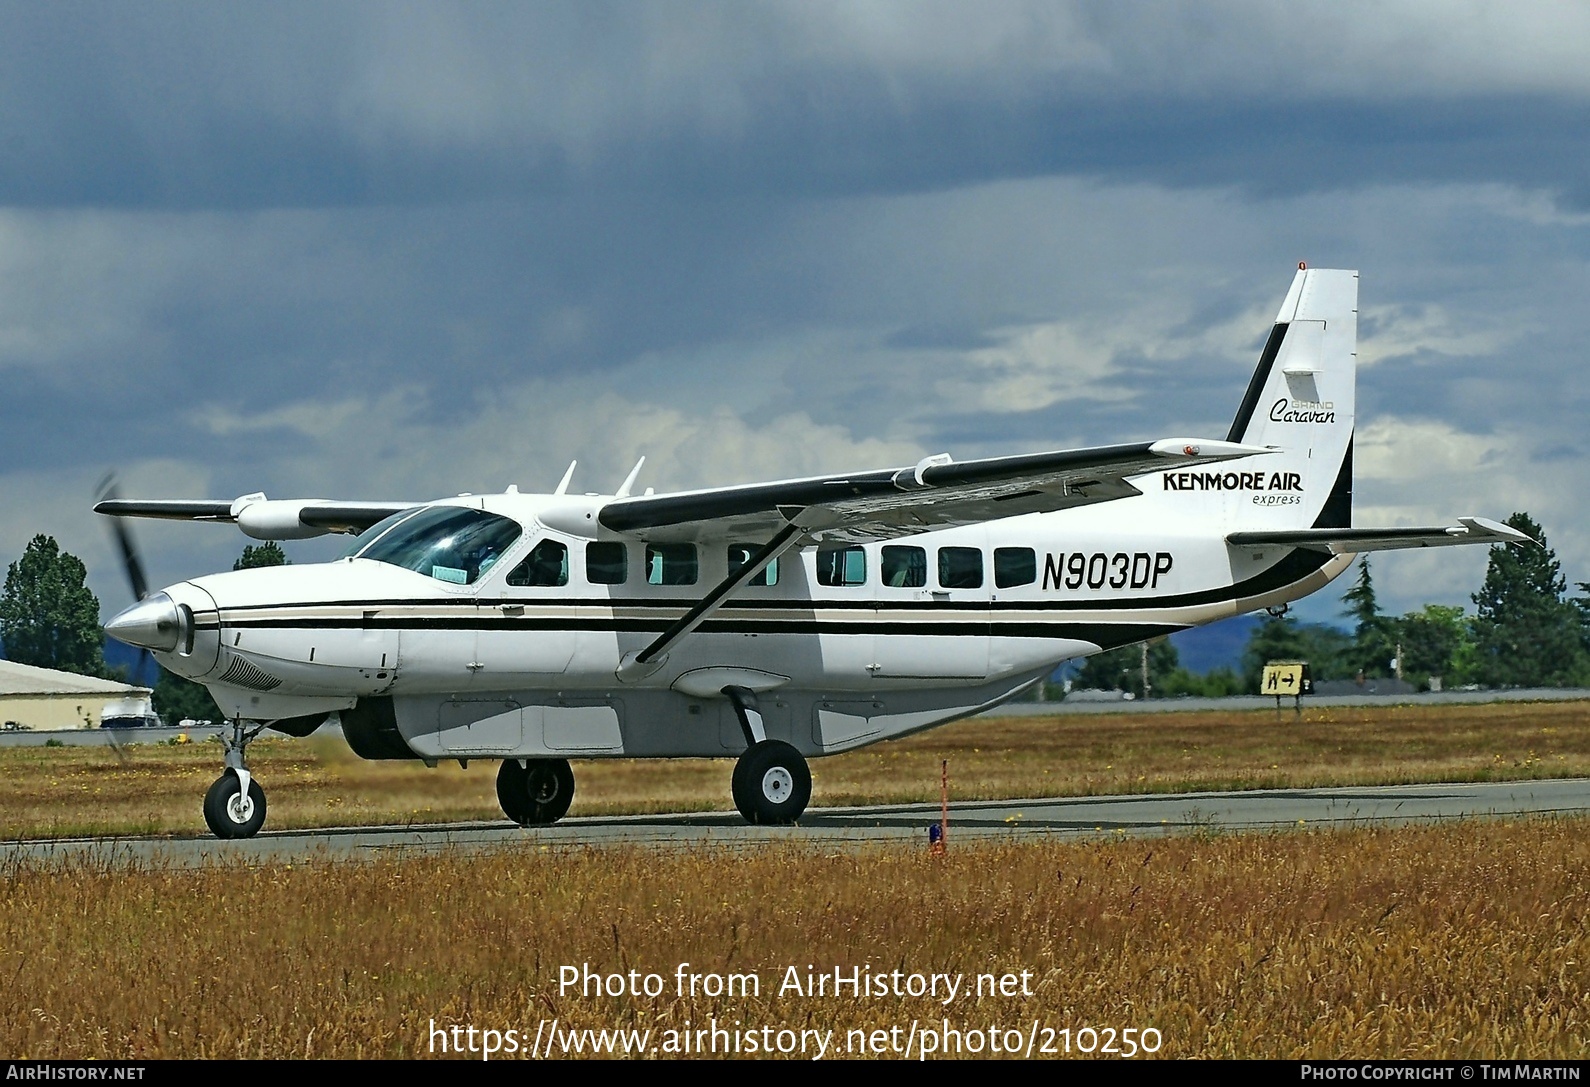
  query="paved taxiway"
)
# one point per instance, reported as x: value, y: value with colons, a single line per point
x: 1081, y: 817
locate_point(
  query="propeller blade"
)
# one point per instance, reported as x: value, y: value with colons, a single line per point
x: 124, y: 541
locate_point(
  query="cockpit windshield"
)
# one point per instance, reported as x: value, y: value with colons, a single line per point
x: 448, y: 543
x: 376, y: 531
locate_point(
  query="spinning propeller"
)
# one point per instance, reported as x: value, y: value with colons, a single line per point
x: 132, y: 564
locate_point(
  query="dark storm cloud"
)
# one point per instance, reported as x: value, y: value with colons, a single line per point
x: 383, y: 250
x: 207, y: 106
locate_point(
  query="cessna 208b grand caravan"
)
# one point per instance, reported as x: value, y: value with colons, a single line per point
x: 771, y: 621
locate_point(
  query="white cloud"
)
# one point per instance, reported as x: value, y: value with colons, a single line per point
x: 1406, y: 329
x: 1416, y: 452
x: 1034, y: 367
x: 384, y: 446
x: 1416, y: 472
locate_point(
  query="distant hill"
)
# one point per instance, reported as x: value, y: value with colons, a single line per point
x: 1203, y: 649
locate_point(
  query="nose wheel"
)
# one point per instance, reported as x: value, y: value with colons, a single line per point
x: 772, y: 783
x: 234, y: 807
x: 233, y: 811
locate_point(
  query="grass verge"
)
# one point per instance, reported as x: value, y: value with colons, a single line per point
x: 1457, y: 941
x: 71, y: 791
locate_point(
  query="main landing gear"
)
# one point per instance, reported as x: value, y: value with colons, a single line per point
x: 535, y: 792
x: 235, y: 805
x: 772, y: 783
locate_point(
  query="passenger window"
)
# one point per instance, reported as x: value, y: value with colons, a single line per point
x: 904, y: 567
x: 606, y: 563
x: 740, y: 554
x: 670, y: 564
x: 546, y: 566
x: 841, y: 566
x: 1014, y: 566
x: 960, y: 567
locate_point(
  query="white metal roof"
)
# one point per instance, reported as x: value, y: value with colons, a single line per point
x: 20, y: 679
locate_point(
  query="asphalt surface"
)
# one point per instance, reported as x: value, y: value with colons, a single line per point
x: 1028, y: 820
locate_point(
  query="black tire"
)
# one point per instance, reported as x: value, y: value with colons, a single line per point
x: 229, y: 813
x: 772, y: 784
x: 536, y: 794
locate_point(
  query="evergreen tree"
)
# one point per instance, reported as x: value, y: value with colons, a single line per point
x: 48, y: 616
x: 1525, y: 633
x: 1437, y: 641
x: 1583, y: 604
x: 269, y: 553
x: 1275, y: 639
x: 1374, y: 635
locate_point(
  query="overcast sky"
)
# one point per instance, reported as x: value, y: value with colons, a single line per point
x: 401, y: 251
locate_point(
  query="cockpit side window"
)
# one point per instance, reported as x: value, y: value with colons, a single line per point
x: 546, y: 566
x: 449, y: 543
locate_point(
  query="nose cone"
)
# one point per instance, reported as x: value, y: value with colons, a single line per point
x: 153, y: 623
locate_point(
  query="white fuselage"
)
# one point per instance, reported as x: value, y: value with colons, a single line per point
x: 489, y: 669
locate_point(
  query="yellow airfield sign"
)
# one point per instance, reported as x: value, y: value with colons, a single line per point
x: 1283, y: 678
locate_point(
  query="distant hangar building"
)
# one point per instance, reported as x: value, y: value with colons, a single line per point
x: 44, y: 699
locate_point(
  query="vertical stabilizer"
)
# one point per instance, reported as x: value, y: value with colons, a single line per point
x: 1300, y: 402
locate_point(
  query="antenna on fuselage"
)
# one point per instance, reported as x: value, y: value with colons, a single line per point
x: 563, y: 484
x: 629, y: 480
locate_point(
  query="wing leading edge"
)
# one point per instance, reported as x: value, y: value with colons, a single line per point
x: 935, y: 493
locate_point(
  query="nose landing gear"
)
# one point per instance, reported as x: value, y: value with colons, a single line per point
x: 234, y: 807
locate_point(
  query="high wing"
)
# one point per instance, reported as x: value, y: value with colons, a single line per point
x: 1353, y: 541
x: 262, y: 518
x: 891, y: 502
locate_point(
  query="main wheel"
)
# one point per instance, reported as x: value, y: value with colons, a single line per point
x: 537, y: 793
x: 229, y: 812
x: 772, y: 783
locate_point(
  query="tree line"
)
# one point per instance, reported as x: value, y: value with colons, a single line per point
x: 1526, y: 631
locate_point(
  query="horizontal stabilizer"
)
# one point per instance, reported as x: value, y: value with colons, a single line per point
x: 1353, y: 541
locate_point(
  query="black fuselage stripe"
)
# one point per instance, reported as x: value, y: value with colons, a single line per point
x: 1119, y: 633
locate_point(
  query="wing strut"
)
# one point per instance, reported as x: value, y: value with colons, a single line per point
x: 781, y: 541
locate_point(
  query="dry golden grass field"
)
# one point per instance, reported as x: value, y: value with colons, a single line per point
x: 48, y: 792
x: 1458, y: 941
